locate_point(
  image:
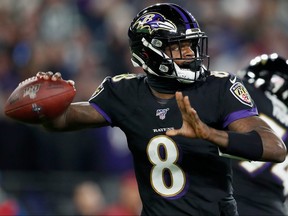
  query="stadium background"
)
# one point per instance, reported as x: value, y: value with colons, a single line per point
x: 86, y: 40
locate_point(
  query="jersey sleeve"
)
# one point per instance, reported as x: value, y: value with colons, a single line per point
x: 236, y: 101
x: 112, y: 99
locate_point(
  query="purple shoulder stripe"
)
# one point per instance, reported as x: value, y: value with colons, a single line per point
x: 285, y: 136
x: 101, y: 112
x: 238, y: 115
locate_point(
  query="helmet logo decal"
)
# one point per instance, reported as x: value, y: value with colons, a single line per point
x: 152, y: 22
x: 162, y: 113
x: 241, y: 93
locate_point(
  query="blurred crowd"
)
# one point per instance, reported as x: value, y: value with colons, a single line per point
x: 86, y: 40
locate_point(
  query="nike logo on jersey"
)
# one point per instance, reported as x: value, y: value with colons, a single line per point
x: 233, y: 79
x: 162, y: 113
x: 240, y: 92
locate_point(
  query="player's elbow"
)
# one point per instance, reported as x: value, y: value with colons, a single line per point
x: 282, y: 152
x: 277, y: 153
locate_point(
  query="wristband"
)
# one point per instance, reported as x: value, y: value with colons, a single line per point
x: 247, y: 145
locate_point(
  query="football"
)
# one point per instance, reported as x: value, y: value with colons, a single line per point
x: 36, y: 100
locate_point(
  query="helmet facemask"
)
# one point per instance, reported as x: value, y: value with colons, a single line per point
x: 188, y: 69
x: 163, y: 63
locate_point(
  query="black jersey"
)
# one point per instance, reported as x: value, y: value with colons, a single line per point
x: 176, y: 175
x: 262, y: 186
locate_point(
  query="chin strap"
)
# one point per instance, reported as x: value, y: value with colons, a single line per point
x: 186, y: 75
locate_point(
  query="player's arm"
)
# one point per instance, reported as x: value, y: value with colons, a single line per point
x: 77, y: 116
x: 250, y: 137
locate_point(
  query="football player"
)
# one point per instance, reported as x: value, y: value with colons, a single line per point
x: 176, y: 147
x: 260, y: 188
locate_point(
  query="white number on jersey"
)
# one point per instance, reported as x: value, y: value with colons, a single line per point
x: 165, y: 163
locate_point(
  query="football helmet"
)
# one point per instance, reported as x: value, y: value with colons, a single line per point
x: 268, y: 73
x: 157, y: 28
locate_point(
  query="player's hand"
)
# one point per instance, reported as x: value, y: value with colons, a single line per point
x: 53, y: 76
x: 192, y: 125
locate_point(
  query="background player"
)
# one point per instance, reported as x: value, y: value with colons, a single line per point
x: 260, y: 188
x: 177, y: 175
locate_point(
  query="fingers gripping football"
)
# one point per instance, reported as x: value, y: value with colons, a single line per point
x: 53, y: 76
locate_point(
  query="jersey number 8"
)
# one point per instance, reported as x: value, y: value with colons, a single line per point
x: 163, y: 153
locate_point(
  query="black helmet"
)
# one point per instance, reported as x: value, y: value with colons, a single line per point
x: 159, y: 26
x: 268, y: 73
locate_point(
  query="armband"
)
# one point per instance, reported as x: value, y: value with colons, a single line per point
x: 248, y: 145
